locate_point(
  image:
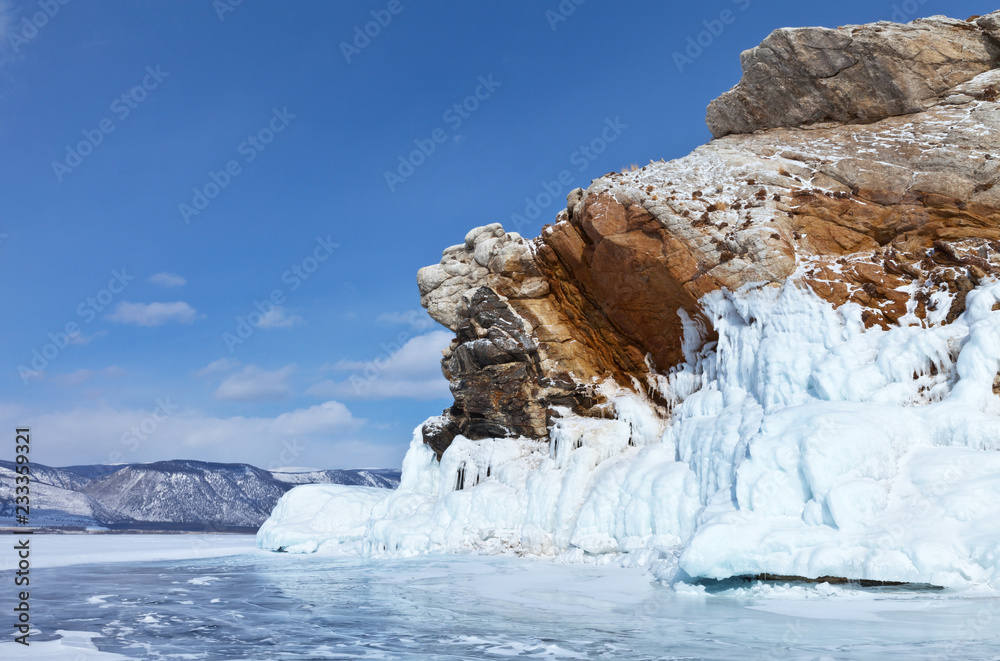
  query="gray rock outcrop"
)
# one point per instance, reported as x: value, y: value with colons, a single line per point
x: 856, y: 73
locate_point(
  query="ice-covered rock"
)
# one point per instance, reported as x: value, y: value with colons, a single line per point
x: 311, y: 516
x: 815, y: 447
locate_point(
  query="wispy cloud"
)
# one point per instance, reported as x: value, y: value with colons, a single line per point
x: 326, y: 431
x: 416, y: 319
x: 81, y: 339
x: 153, y: 314
x: 165, y: 279
x: 79, y: 377
x: 421, y: 390
x: 253, y: 384
x: 216, y: 366
x: 276, y: 317
x: 413, y: 371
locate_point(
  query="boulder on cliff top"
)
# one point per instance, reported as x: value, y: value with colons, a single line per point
x: 854, y: 74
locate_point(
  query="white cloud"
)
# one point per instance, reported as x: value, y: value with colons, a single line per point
x: 73, y: 379
x: 220, y: 365
x: 253, y: 384
x: 165, y: 279
x: 415, y: 319
x: 81, y: 339
x: 153, y: 314
x: 344, y: 365
x: 412, y: 371
x: 12, y: 412
x: 328, y: 417
x: 324, y: 435
x: 81, y: 376
x: 276, y: 317
x: 357, y: 387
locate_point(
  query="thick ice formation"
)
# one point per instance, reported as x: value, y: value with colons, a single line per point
x: 799, y: 444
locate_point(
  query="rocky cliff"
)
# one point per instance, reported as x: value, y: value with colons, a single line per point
x: 859, y: 162
x: 776, y: 356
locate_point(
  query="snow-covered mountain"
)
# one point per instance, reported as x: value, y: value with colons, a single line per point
x: 55, y: 499
x: 64, y: 478
x: 778, y: 355
x: 190, y: 493
x: 166, y: 495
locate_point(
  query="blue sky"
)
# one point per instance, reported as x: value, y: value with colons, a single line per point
x: 172, y: 168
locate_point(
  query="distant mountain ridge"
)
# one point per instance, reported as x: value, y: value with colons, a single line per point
x: 181, y: 495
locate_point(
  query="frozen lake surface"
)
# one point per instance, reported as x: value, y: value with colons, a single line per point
x: 216, y: 597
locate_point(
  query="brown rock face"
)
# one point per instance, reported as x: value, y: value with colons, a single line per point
x: 630, y: 270
x: 911, y: 242
x: 899, y: 215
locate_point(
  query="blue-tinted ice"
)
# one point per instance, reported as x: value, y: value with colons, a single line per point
x: 281, y: 606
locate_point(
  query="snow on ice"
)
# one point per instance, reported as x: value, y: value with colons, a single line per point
x: 56, y: 550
